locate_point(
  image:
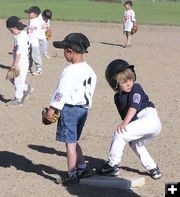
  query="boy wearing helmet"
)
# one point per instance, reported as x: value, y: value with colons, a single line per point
x: 140, y: 120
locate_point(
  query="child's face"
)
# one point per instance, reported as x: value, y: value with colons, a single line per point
x: 32, y: 15
x: 126, y: 86
x: 14, y: 30
x: 127, y: 6
x: 68, y: 54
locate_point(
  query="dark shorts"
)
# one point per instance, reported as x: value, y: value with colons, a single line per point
x: 71, y: 123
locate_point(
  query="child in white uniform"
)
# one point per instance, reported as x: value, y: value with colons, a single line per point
x: 140, y: 120
x: 129, y: 21
x: 44, y: 20
x: 73, y: 97
x: 20, y: 60
x: 33, y: 30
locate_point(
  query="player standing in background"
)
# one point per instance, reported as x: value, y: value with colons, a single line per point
x: 44, y: 20
x: 129, y: 21
x: 20, y: 60
x: 73, y: 97
x: 140, y: 120
x: 33, y: 30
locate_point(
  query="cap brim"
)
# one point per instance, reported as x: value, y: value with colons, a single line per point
x: 60, y: 44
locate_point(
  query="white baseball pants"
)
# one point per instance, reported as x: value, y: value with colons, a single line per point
x: 147, y: 126
x: 19, y: 82
x: 43, y: 43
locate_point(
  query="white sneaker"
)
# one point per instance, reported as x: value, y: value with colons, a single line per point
x: 37, y: 72
x: 14, y: 102
x: 47, y: 57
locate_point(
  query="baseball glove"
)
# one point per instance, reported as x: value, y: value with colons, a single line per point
x: 53, y: 119
x: 134, y: 29
x: 48, y: 34
x: 12, y: 73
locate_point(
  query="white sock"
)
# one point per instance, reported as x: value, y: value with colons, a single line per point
x: 82, y: 166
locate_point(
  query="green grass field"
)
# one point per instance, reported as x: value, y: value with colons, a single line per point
x: 159, y: 13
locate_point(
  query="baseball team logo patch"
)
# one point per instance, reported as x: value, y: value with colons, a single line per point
x: 58, y: 96
x: 137, y: 98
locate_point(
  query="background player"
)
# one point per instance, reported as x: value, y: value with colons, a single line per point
x: 73, y: 97
x: 33, y: 30
x: 140, y: 119
x: 129, y: 21
x: 44, y: 20
x: 20, y: 60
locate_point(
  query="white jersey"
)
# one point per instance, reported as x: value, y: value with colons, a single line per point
x: 129, y: 18
x: 43, y: 27
x: 76, y: 86
x: 22, y: 45
x: 33, y: 30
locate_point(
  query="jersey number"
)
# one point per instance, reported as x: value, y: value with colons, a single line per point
x: 87, y: 92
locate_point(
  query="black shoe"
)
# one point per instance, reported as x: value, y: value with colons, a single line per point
x: 155, y: 173
x: 84, y: 173
x: 107, y: 170
x: 67, y: 180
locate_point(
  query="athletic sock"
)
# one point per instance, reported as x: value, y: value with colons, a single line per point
x: 82, y: 166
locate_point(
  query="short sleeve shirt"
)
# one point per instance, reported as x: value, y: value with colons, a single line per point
x: 33, y: 31
x: 129, y: 18
x: 43, y: 27
x: 136, y: 98
x: 22, y: 45
x: 75, y: 87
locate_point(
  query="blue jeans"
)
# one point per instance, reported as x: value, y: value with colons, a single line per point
x: 71, y: 123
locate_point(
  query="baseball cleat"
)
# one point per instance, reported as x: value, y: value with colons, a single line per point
x: 37, y: 72
x: 14, y: 102
x: 155, y: 173
x: 84, y: 173
x: 107, y: 170
x: 27, y: 93
x: 67, y: 180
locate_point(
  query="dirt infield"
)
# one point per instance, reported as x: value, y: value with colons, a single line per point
x: 30, y: 157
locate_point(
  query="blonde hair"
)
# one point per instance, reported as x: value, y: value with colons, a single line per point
x: 125, y: 75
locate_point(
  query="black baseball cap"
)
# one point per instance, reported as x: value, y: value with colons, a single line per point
x: 33, y: 9
x: 16, y: 22
x: 78, y: 42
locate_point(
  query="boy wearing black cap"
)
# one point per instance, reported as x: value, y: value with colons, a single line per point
x: 20, y: 60
x: 140, y: 120
x: 33, y: 30
x: 73, y: 97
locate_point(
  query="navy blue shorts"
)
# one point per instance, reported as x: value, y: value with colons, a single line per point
x: 71, y: 123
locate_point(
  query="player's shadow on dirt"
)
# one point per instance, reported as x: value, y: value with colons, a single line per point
x: 128, y: 169
x: 4, y: 67
x: 86, y: 190
x: 112, y: 44
x: 2, y: 99
x: 92, y: 162
x: 8, y: 159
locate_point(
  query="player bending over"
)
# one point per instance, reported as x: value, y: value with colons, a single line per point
x: 140, y: 120
x: 73, y: 98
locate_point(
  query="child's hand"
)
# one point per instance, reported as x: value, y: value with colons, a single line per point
x: 122, y: 128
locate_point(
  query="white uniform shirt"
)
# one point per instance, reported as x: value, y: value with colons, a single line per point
x: 22, y: 45
x: 43, y: 27
x: 76, y: 86
x: 33, y: 30
x: 129, y: 18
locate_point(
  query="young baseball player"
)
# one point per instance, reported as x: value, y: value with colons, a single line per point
x: 44, y: 20
x: 20, y: 60
x: 73, y: 97
x: 129, y: 21
x: 33, y: 30
x: 140, y: 120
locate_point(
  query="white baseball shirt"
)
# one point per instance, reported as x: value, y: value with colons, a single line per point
x: 22, y: 45
x: 43, y: 27
x: 76, y: 86
x: 33, y: 30
x: 129, y: 18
